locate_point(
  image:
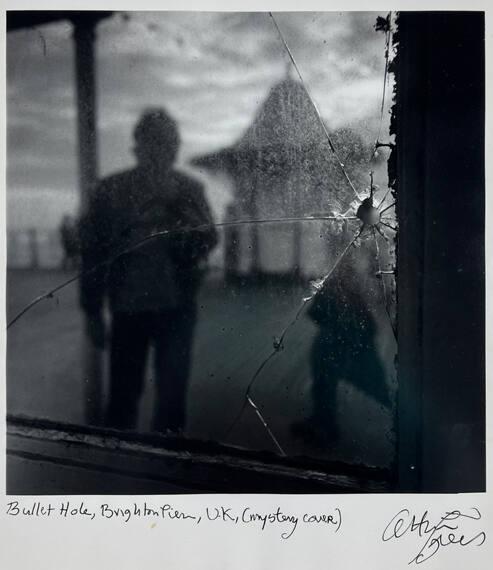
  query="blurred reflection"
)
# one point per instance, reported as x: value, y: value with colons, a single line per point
x: 151, y: 289
x: 69, y: 239
x: 345, y: 346
x: 262, y: 153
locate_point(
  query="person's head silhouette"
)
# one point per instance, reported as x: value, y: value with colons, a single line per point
x: 156, y: 140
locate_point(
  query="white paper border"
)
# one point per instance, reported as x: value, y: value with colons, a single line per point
x: 56, y: 544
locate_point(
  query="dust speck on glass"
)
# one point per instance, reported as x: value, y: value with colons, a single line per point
x: 253, y: 303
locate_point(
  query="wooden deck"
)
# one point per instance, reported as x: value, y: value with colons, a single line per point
x: 234, y: 334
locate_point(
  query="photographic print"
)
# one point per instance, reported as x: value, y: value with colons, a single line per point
x: 245, y: 252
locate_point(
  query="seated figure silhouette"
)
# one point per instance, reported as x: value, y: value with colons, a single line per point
x: 151, y: 288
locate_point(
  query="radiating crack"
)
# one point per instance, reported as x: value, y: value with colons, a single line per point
x: 388, y: 226
x: 165, y: 233
x: 317, y: 111
x: 278, y: 342
x: 387, y: 208
x: 382, y: 280
x: 384, y: 198
x: 386, y: 26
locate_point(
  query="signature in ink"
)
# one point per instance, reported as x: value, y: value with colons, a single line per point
x: 443, y: 533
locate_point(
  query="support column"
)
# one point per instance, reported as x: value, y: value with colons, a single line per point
x: 86, y: 107
x: 84, y: 37
x: 441, y: 258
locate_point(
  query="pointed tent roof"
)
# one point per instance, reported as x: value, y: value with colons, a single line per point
x: 286, y: 119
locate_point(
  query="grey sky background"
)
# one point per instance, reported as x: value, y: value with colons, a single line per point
x: 211, y: 70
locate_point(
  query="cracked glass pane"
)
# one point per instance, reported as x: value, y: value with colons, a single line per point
x: 234, y: 281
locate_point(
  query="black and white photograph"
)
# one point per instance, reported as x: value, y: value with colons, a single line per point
x: 245, y: 252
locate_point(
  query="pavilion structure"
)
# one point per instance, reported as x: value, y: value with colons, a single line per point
x: 282, y: 166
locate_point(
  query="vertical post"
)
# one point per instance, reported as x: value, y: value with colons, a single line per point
x: 441, y: 294
x: 410, y: 124
x: 86, y: 107
x: 84, y: 36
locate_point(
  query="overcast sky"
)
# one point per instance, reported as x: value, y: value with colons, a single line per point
x: 211, y: 70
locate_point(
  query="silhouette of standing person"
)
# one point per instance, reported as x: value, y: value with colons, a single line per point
x: 151, y: 289
x: 345, y: 346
